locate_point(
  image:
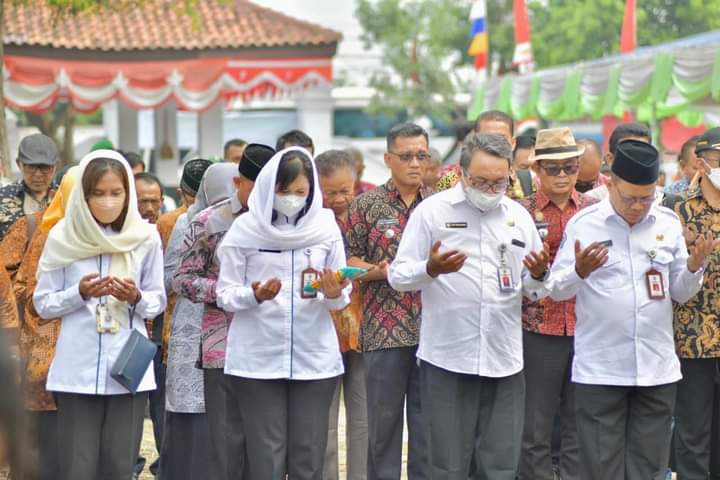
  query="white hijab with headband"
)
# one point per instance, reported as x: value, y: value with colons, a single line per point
x: 255, y: 228
x: 216, y: 185
x: 79, y: 236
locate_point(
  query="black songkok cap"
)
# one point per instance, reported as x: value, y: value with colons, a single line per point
x: 254, y: 158
x: 636, y: 162
x: 193, y: 173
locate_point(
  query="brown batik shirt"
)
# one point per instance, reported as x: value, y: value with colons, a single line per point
x: 375, y: 226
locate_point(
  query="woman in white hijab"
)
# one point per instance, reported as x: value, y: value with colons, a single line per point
x: 282, y: 350
x: 185, y: 453
x: 101, y: 273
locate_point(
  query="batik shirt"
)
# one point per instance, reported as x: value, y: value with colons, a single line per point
x: 697, y: 322
x: 12, y: 200
x: 376, y: 223
x: 197, y: 274
x: 547, y: 316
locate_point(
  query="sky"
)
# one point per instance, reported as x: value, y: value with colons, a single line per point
x: 352, y: 60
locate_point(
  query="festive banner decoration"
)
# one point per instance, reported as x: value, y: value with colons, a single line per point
x: 668, y: 79
x: 35, y: 84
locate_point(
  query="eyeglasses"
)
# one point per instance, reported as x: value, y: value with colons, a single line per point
x: 487, y: 186
x: 44, y: 169
x: 407, y: 157
x: 711, y: 159
x: 554, y: 170
x: 630, y: 201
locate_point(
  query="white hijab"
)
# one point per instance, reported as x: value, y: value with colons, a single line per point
x: 78, y: 235
x: 255, y: 228
x: 216, y: 185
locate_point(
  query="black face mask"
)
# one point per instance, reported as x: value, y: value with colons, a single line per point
x: 583, y: 187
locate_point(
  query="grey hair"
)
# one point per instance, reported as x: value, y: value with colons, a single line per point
x: 495, y: 145
x: 331, y: 161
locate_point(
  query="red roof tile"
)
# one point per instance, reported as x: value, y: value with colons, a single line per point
x: 161, y: 25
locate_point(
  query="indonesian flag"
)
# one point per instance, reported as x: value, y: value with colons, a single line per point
x: 523, y: 49
x: 628, y: 37
x: 478, y: 34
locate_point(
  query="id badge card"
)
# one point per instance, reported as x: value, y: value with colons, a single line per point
x: 105, y: 323
x: 505, y: 279
x: 308, y: 276
x: 655, y: 286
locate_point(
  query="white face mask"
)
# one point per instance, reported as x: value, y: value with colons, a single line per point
x: 480, y: 200
x: 289, y: 205
x: 714, y: 177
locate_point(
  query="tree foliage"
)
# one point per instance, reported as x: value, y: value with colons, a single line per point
x: 566, y: 32
x: 424, y: 46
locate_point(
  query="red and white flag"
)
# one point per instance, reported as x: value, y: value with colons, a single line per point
x: 523, y: 56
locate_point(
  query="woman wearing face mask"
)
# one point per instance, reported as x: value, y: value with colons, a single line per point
x: 185, y: 453
x: 101, y: 274
x: 282, y: 349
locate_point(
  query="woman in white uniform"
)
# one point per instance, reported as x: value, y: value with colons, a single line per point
x: 101, y: 272
x: 282, y: 349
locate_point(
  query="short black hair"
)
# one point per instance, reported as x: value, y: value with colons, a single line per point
x: 295, y: 138
x: 234, y: 142
x: 329, y: 162
x: 688, y: 146
x: 495, y: 116
x: 627, y: 130
x: 292, y: 165
x: 132, y: 158
x: 405, y: 130
x: 524, y: 142
x: 149, y: 178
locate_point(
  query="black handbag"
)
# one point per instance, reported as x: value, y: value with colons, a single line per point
x: 135, y: 357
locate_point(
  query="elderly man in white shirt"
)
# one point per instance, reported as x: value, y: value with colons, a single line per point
x: 634, y: 262
x: 473, y: 253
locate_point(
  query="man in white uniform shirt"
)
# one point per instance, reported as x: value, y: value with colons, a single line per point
x: 472, y: 252
x: 624, y: 259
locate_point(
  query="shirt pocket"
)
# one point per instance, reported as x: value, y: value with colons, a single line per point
x: 612, y: 275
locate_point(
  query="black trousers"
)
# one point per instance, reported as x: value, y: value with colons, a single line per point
x: 624, y: 432
x: 469, y: 416
x: 98, y: 435
x: 549, y: 393
x: 393, y: 384
x: 286, y: 423
x: 226, y: 430
x: 186, y: 447
x: 694, y: 418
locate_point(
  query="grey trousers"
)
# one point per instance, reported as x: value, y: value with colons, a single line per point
x: 227, y: 434
x: 624, y: 432
x: 352, y: 383
x: 185, y: 447
x: 98, y: 435
x: 393, y: 376
x: 549, y: 391
x: 470, y: 416
x: 694, y: 412
x: 286, y: 425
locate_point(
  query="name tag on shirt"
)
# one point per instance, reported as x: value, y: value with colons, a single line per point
x: 655, y: 286
x: 456, y: 225
x: 518, y: 243
x: 387, y: 222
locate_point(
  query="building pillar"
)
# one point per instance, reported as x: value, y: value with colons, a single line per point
x: 315, y: 115
x: 166, y: 163
x: 210, y: 132
x: 121, y: 125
